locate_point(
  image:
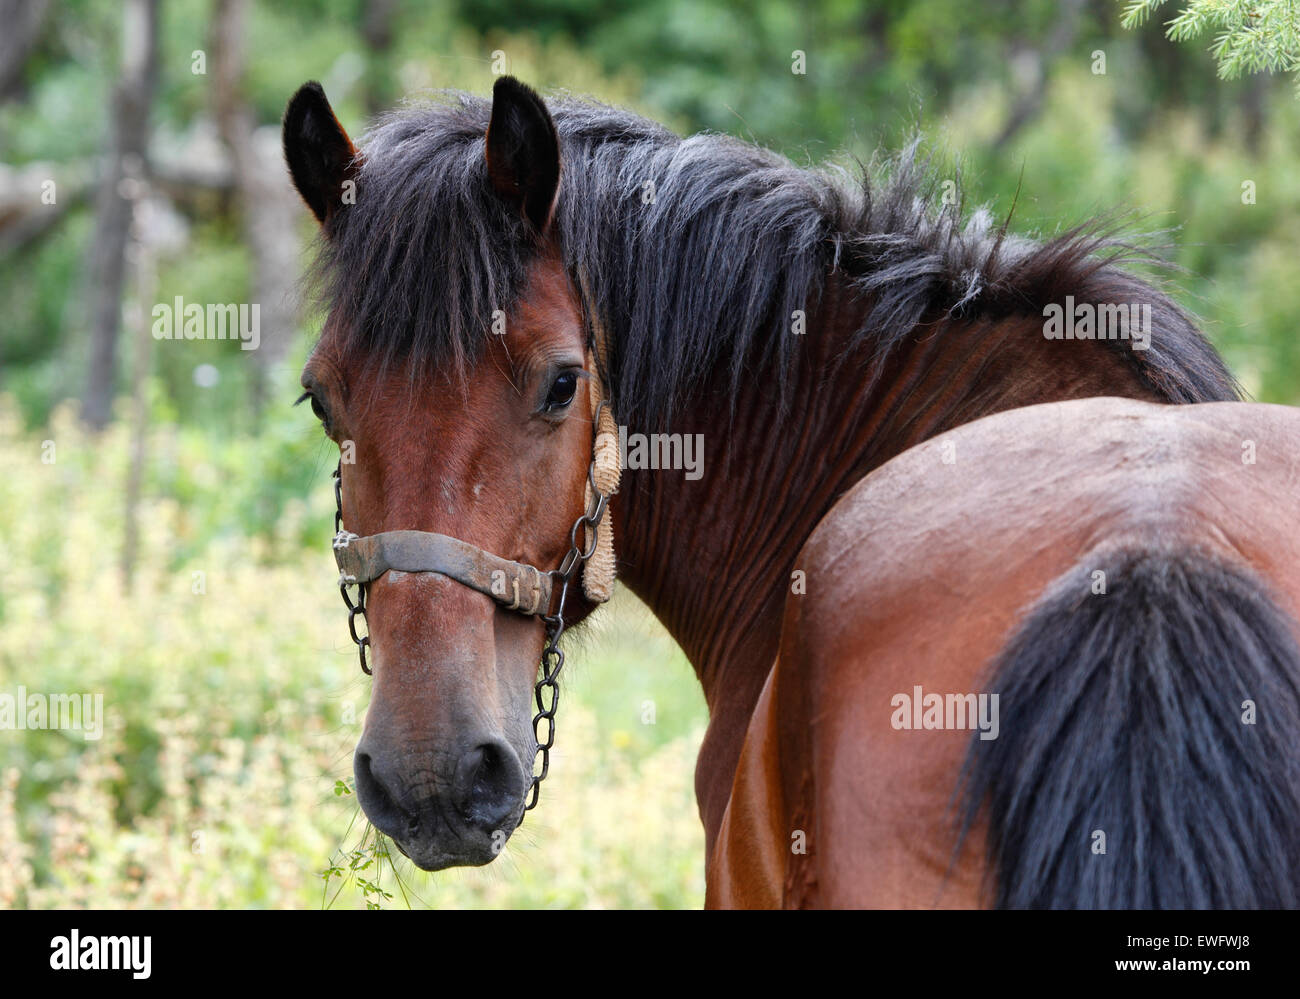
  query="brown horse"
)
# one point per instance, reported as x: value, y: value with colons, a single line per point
x: 1091, y: 605
x: 493, y: 267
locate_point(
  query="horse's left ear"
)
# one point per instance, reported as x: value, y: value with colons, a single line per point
x: 321, y: 157
x: 523, y: 151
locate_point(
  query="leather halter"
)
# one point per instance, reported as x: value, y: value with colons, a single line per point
x: 361, y: 560
x: 514, y: 585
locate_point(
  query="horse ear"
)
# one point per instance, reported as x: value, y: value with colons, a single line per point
x: 320, y: 155
x: 523, y: 151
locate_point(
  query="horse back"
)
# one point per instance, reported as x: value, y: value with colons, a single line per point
x: 915, y: 582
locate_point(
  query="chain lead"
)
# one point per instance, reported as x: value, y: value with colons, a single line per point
x: 552, y: 656
x: 357, y: 609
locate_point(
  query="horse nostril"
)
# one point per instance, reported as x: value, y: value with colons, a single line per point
x: 489, y: 784
x: 378, y: 802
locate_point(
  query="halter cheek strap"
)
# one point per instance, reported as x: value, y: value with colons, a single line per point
x: 606, y: 463
x: 606, y: 471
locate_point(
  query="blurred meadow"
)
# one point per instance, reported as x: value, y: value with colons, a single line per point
x: 165, y: 514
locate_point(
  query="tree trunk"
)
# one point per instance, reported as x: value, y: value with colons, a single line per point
x: 1254, y: 101
x: 267, y: 203
x: 23, y: 21
x: 126, y: 165
x: 377, y: 30
x: 1030, y: 101
x: 142, y: 356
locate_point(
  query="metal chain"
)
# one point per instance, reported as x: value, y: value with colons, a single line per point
x: 354, y: 609
x: 552, y: 656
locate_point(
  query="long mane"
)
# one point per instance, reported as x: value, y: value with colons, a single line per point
x: 697, y: 251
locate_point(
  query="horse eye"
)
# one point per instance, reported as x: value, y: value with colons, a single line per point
x: 316, y: 408
x: 562, y: 390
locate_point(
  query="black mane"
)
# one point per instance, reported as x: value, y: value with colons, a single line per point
x: 703, y: 276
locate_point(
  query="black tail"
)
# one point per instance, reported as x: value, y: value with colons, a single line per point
x: 1159, y: 722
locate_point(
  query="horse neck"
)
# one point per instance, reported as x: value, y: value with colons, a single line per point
x: 714, y: 558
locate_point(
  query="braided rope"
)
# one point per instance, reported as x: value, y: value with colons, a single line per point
x: 598, y: 572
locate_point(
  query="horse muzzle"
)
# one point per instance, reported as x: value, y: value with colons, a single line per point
x: 464, y: 822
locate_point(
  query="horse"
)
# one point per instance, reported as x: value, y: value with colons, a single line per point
x: 1066, y: 633
x: 514, y: 284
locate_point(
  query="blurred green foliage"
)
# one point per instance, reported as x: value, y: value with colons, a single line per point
x: 1249, y: 36
x: 1157, y: 132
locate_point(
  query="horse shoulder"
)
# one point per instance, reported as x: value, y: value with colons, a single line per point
x: 869, y: 798
x: 747, y: 869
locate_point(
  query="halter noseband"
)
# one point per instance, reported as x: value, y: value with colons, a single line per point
x: 514, y: 585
